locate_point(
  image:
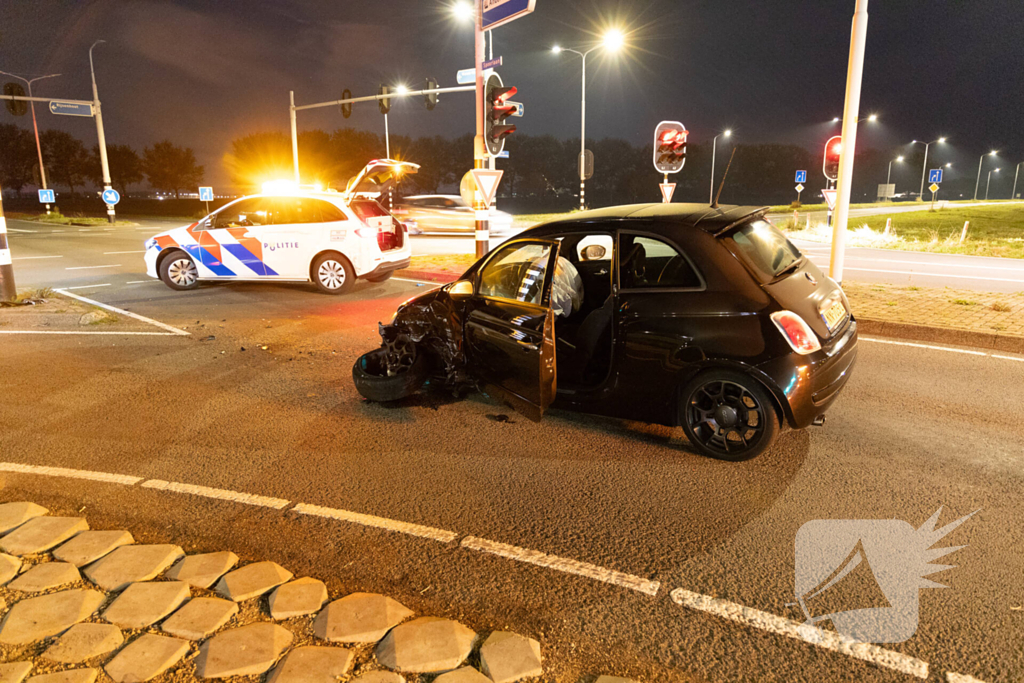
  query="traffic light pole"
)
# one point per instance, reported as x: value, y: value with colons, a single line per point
x: 483, y: 237
x: 35, y: 125
x: 8, y: 292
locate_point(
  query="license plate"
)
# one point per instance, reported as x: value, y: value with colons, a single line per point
x: 834, y: 314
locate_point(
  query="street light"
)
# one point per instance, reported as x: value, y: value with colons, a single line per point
x: 1013, y: 194
x: 981, y: 161
x: 35, y: 126
x: 463, y: 11
x: 99, y: 132
x: 613, y: 41
x: 924, y: 169
x: 989, y: 182
x: 889, y: 176
x: 714, y: 149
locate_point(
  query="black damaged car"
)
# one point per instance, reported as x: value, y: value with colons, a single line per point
x: 677, y: 314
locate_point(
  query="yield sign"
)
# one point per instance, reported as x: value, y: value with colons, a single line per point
x: 830, y: 198
x: 487, y: 183
x: 667, y: 190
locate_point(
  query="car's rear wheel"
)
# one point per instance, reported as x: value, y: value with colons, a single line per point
x: 374, y: 380
x: 179, y: 271
x: 384, y: 277
x: 728, y: 415
x: 333, y: 274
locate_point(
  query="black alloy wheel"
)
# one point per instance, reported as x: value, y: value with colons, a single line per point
x: 728, y: 416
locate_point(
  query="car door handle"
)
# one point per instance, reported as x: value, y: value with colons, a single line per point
x: 527, y: 346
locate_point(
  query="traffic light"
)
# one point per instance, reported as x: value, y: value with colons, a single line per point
x: 496, y: 111
x: 16, y: 107
x: 833, y: 150
x: 670, y: 147
x: 346, y: 109
x: 431, y: 98
x: 384, y: 104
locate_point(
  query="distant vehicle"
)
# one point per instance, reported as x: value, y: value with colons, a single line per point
x: 447, y: 214
x: 285, y: 234
x: 678, y: 314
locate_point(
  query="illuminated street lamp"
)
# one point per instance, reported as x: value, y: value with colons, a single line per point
x: 981, y: 161
x: 613, y: 41
x: 888, y: 177
x: 463, y: 11
x: 924, y: 169
x: 714, y: 148
x: 35, y: 126
x: 989, y: 182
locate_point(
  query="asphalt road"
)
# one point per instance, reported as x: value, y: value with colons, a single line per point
x: 917, y: 429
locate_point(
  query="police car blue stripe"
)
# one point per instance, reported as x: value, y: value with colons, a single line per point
x: 248, y: 259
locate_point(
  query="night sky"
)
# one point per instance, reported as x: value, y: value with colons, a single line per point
x: 203, y: 72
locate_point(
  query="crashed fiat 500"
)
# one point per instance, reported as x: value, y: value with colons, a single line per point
x: 676, y: 314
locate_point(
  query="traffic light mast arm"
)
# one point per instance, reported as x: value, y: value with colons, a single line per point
x: 351, y: 100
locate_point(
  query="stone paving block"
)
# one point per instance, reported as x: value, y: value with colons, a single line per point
x: 252, y: 580
x: 39, y: 534
x: 90, y: 546
x: 379, y: 677
x: 506, y: 657
x: 68, y: 676
x: 426, y: 645
x: 14, y: 672
x: 143, y: 604
x: 41, y: 617
x: 466, y: 674
x: 312, y: 665
x: 131, y: 563
x: 13, y: 515
x: 200, y: 617
x: 359, y: 618
x: 9, y: 566
x: 245, y: 651
x: 84, y: 641
x: 613, y: 679
x: 202, y: 571
x: 297, y: 598
x: 45, y: 576
x: 146, y: 657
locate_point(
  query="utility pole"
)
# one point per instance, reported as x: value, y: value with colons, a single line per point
x: 99, y: 132
x: 483, y: 237
x: 295, y: 137
x: 851, y: 112
x: 8, y: 292
x: 1013, y: 194
x: 35, y: 126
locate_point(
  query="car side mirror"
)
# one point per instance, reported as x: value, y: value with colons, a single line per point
x: 207, y: 224
x: 595, y: 252
x: 460, y: 289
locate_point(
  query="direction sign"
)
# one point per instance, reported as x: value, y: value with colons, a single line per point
x: 935, y: 175
x: 111, y: 197
x: 934, y: 187
x: 206, y: 194
x: 47, y: 197
x: 667, y: 190
x: 70, y: 108
x: 520, y: 108
x: 503, y: 155
x: 799, y: 188
x: 801, y: 177
x: 492, y: 63
x: 487, y: 183
x: 830, y: 198
x: 500, y: 12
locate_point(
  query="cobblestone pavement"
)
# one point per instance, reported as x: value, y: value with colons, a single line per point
x: 82, y: 605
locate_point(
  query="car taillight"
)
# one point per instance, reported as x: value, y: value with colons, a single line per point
x: 797, y: 332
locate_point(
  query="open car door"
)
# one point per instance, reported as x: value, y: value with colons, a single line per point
x: 510, y: 327
x: 379, y: 176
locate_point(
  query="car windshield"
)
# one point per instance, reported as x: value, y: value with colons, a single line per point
x: 765, y: 249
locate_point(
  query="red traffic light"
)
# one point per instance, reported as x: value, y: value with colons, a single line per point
x: 833, y: 151
x: 670, y: 147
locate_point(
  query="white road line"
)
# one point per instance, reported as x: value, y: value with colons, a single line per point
x: 924, y: 274
x: 116, y: 265
x: 144, y: 282
x: 33, y: 258
x: 378, y: 522
x: 133, y: 334
x: 111, y: 253
x: 30, y: 232
x: 219, y: 494
x: 162, y: 326
x: 563, y: 564
x: 940, y: 264
x: 960, y: 678
x: 1019, y: 359
x: 827, y: 640
x: 932, y: 347
x: 107, y: 284
x: 106, y: 477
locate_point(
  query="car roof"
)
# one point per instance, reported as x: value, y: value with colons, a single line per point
x: 707, y: 218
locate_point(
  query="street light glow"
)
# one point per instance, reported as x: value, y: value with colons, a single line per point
x: 942, y: 140
x: 873, y: 118
x: 463, y: 11
x: 993, y: 153
x: 401, y: 90
x: 727, y: 133
x: 557, y: 49
x: 835, y: 120
x: 949, y: 165
x: 899, y: 158
x: 614, y: 40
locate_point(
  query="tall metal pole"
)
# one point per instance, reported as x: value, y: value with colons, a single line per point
x: 924, y: 171
x: 714, y: 151
x: 483, y: 238
x: 1013, y: 194
x: 387, y: 137
x: 583, y: 137
x: 977, y: 182
x: 35, y: 126
x: 988, y: 184
x: 8, y: 292
x: 888, y: 177
x: 98, y: 113
x: 851, y: 112
x: 295, y: 136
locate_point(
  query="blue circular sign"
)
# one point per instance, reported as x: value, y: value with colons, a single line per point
x: 111, y: 196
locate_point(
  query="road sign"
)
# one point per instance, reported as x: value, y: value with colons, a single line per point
x: 935, y: 176
x: 206, y: 194
x: 799, y: 188
x: 503, y: 155
x: 70, y: 108
x: 487, y: 183
x: 667, y: 190
x: 500, y: 12
x: 934, y: 187
x: 586, y: 165
x: 492, y: 63
x: 520, y: 109
x: 887, y: 190
x: 466, y: 76
x: 47, y: 197
x: 830, y: 198
x: 111, y: 197
x: 801, y: 177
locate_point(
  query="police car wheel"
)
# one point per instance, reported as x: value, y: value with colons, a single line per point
x: 178, y: 271
x: 333, y: 274
x: 382, y: 278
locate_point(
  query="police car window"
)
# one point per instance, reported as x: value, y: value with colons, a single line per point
x: 649, y: 263
x: 368, y: 208
x: 244, y: 214
x: 516, y: 273
x: 296, y: 210
x: 329, y: 213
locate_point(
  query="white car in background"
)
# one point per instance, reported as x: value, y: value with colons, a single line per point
x: 446, y: 214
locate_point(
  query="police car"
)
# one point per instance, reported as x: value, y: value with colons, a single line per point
x: 289, y: 235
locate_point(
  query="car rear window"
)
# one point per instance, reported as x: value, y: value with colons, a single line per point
x: 764, y: 248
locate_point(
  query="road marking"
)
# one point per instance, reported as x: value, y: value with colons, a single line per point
x: 378, y: 522
x: 219, y: 494
x: 73, y: 474
x: 144, y: 282
x: 30, y: 232
x: 111, y: 253
x: 563, y: 564
x: 162, y: 326
x: 34, y: 258
x: 116, y: 265
x: 932, y: 347
x: 960, y: 678
x: 1019, y: 359
x: 923, y: 274
x: 134, y: 334
x: 827, y: 640
x: 935, y: 264
x: 88, y: 286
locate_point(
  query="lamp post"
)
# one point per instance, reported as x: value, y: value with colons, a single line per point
x: 989, y: 183
x: 888, y: 177
x: 99, y: 132
x: 981, y: 161
x: 1013, y: 194
x: 924, y: 166
x: 714, y: 149
x: 35, y: 126
x: 613, y: 42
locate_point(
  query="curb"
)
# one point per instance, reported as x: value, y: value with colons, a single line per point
x: 443, y: 277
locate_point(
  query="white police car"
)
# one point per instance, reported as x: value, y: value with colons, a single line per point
x: 289, y: 235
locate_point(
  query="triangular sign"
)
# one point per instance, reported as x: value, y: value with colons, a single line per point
x: 487, y: 183
x: 667, y: 190
x: 830, y: 198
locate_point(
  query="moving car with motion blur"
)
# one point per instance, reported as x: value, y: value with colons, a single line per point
x: 677, y: 314
x: 288, y: 234
x: 446, y: 214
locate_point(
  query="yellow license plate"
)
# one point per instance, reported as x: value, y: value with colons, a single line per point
x: 834, y: 314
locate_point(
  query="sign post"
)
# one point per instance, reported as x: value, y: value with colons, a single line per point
x: 8, y: 292
x: 206, y: 195
x: 799, y: 190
